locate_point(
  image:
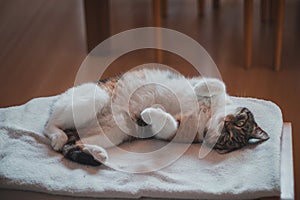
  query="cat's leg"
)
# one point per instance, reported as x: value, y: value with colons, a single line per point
x: 215, y: 91
x: 89, y: 149
x: 94, y: 140
x: 107, y: 134
x: 214, y: 129
x: 84, y: 102
x: 163, y: 124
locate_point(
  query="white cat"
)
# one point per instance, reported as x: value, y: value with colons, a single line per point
x: 147, y: 103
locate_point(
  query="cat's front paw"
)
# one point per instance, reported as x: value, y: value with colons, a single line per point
x: 58, y: 140
x: 163, y: 124
x: 151, y: 115
x: 209, y: 87
x: 97, y: 152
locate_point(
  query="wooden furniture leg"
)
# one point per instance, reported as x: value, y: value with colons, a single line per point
x: 273, y: 9
x: 264, y: 10
x: 248, y: 30
x: 279, y: 33
x: 97, y: 22
x: 164, y: 8
x: 157, y: 13
x: 216, y: 4
x: 201, y: 5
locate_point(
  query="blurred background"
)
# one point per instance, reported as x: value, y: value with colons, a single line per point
x: 42, y: 44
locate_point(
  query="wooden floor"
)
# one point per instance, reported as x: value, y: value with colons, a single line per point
x: 42, y: 44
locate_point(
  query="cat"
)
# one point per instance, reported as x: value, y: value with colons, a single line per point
x: 147, y: 103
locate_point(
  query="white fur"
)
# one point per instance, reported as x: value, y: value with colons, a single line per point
x: 74, y: 108
x: 154, y: 95
x: 57, y: 137
x: 163, y: 125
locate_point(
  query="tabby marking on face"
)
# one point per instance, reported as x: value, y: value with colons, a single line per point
x: 238, y: 129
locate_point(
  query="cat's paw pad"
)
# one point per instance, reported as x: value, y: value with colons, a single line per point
x: 97, y: 152
x: 58, y: 141
x: 149, y: 115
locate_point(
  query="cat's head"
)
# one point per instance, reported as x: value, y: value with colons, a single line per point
x: 239, y: 130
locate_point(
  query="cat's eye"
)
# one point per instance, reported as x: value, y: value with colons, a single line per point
x: 240, y: 123
x: 241, y: 119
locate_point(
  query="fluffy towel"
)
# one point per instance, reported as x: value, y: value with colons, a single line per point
x: 27, y: 162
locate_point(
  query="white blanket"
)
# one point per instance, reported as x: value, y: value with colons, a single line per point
x: 28, y: 163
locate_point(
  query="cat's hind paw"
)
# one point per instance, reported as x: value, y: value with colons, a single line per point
x: 97, y: 152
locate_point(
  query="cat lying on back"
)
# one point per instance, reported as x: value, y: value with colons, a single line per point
x: 147, y: 104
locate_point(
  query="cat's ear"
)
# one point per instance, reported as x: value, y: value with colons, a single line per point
x: 259, y: 134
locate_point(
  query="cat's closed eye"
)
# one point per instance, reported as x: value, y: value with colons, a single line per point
x: 241, y: 119
x: 240, y: 123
